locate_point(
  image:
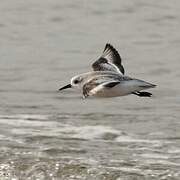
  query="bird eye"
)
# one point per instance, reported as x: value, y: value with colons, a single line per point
x: 76, y: 81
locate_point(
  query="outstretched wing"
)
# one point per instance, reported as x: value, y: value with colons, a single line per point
x: 98, y: 85
x: 110, y: 60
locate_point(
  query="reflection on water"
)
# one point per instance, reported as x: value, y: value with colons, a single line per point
x: 49, y: 135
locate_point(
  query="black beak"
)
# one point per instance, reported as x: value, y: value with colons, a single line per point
x: 65, y: 87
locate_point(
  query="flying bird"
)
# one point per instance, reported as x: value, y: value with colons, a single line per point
x: 108, y: 79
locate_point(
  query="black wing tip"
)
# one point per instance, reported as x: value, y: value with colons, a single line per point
x: 111, y: 84
x: 110, y: 46
x: 113, y: 49
x: 117, y: 55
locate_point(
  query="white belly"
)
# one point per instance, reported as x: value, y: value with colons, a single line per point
x: 113, y: 92
x: 121, y: 89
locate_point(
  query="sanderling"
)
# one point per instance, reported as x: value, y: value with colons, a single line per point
x: 107, y: 78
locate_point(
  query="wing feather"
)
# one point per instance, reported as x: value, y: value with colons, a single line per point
x: 98, y: 84
x: 110, y: 60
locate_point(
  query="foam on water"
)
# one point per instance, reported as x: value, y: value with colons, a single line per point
x: 25, y: 117
x: 130, y: 139
x: 90, y: 132
x: 42, y: 129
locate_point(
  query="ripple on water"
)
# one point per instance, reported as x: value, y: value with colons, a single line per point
x: 56, y: 147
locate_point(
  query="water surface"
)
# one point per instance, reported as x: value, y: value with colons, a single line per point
x: 49, y: 135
